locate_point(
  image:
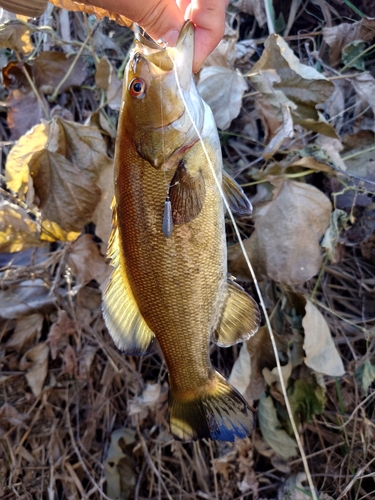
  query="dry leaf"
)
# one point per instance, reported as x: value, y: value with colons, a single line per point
x: 90, y: 9
x: 254, y: 8
x: 17, y: 230
x: 271, y: 429
x: 58, y: 336
x: 103, y: 214
x: 15, y: 36
x: 66, y: 195
x: 140, y: 405
x: 106, y: 79
x: 344, y: 33
x: 35, y: 361
x: 284, y: 131
x: 364, y: 85
x: 285, y: 244
x: 24, y: 111
x: 24, y: 7
x: 51, y: 67
x: 321, y: 353
x: 241, y: 371
x: 85, y: 260
x: 289, y: 82
x: 82, y: 145
x: 25, y: 298
x: 27, y: 330
x: 293, y: 488
x: 224, y: 54
x: 11, y: 417
x: 222, y: 89
x: 70, y: 364
x: 16, y: 168
x: 119, y: 466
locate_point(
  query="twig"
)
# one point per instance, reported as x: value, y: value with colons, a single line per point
x: 152, y: 465
x: 53, y: 97
x: 34, y: 89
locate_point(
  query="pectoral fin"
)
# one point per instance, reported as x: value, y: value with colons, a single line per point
x: 240, y: 317
x: 122, y: 316
x: 186, y: 193
x: 236, y: 198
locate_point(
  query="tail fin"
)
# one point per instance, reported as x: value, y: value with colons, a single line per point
x: 221, y: 414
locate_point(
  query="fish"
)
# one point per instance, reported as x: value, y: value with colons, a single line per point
x: 168, y: 243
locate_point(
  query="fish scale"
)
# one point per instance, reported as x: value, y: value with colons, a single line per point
x: 173, y: 285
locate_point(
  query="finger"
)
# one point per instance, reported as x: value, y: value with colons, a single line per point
x: 209, y: 19
x: 159, y: 18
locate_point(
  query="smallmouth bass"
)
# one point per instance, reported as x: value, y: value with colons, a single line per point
x: 168, y: 245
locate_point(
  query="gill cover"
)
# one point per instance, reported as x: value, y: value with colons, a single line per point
x: 158, y: 88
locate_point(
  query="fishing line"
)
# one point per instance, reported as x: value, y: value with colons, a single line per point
x: 263, y: 306
x: 167, y: 224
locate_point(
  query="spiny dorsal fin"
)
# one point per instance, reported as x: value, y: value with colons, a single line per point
x: 236, y: 198
x: 239, y: 319
x: 187, y: 194
x: 122, y: 316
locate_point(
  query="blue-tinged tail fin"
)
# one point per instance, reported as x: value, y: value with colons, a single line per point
x: 219, y: 413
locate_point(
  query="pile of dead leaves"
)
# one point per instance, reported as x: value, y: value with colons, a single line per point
x: 295, y: 111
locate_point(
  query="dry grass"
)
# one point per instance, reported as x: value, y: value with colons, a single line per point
x: 54, y: 441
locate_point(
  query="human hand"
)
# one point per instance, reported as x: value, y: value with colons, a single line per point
x: 165, y: 18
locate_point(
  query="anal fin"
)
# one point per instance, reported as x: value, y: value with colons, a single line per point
x: 235, y: 196
x: 239, y: 319
x: 121, y: 313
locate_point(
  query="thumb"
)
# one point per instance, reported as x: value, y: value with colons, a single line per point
x: 159, y: 18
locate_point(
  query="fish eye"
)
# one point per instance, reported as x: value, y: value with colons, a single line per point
x: 137, y: 87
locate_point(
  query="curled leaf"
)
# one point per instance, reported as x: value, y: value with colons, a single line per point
x: 321, y: 353
x: 222, y: 89
x: 271, y: 429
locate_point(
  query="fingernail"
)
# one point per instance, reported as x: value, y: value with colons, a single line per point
x: 171, y: 37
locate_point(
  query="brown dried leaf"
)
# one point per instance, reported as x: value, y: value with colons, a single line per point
x: 285, y: 243
x: 289, y: 82
x: 224, y: 55
x: 321, y: 353
x: 70, y: 364
x: 25, y: 8
x: 254, y: 8
x: 255, y: 355
x: 364, y: 85
x: 89, y: 9
x: 10, y: 417
x: 66, y: 194
x: 85, y: 260
x: 27, y: 330
x: 15, y: 36
x: 106, y: 79
x: 26, y: 298
x: 51, y: 67
x: 24, y: 111
x: 344, y: 33
x: 119, y: 467
x: 58, y: 335
x: 16, y: 168
x: 82, y: 145
x: 17, y: 230
x: 222, y: 89
x: 35, y: 361
x: 103, y: 214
